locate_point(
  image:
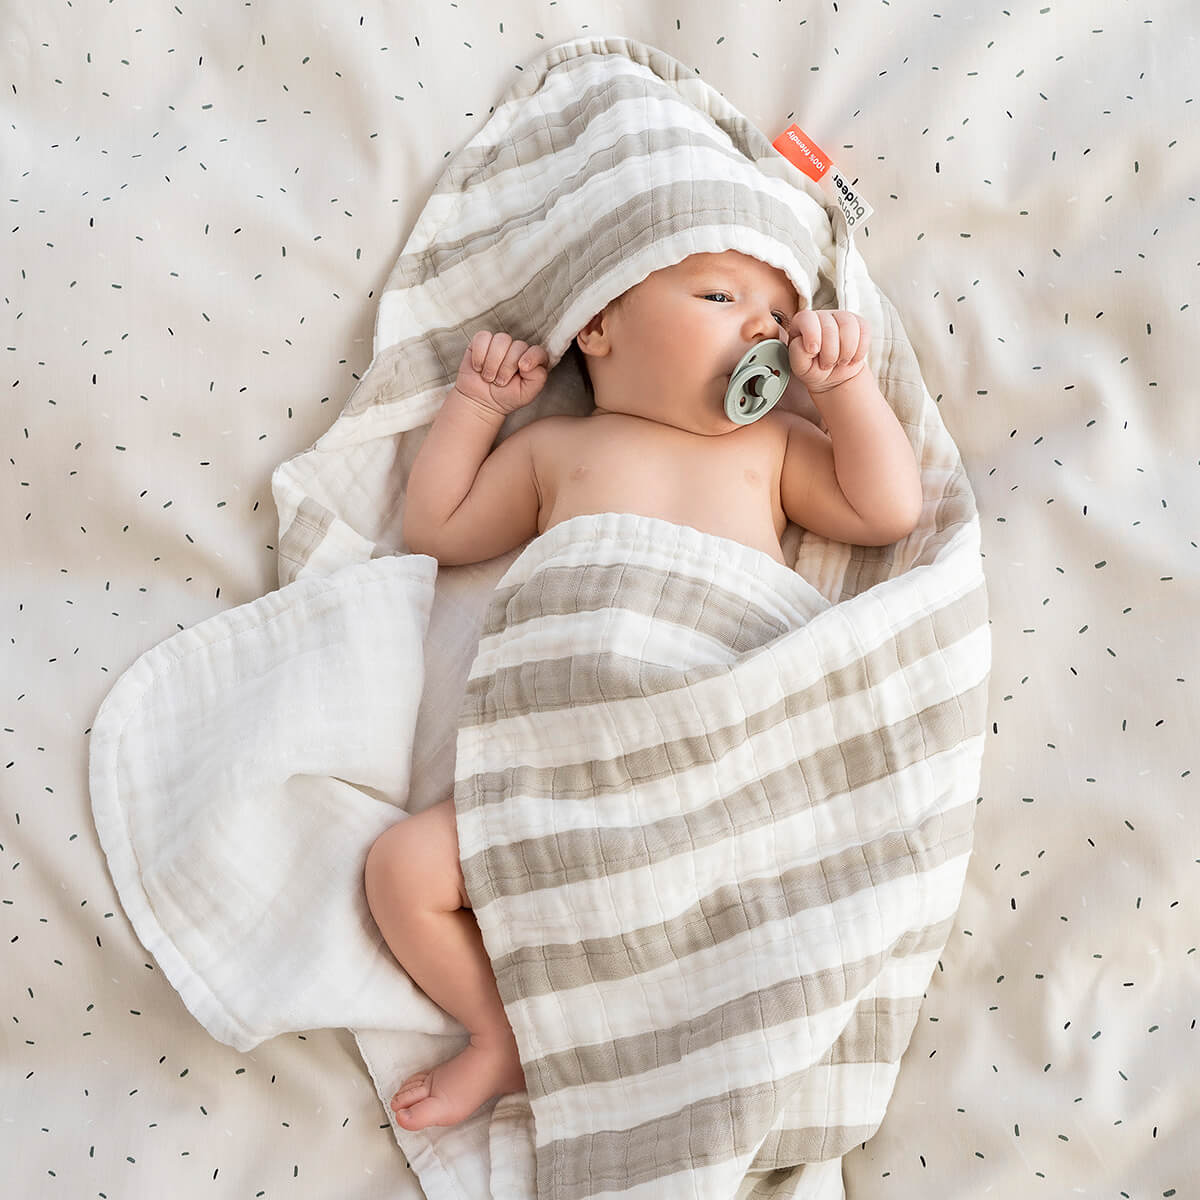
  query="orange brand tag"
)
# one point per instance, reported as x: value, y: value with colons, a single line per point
x: 799, y: 149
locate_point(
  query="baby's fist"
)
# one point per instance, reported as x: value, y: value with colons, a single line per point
x: 501, y: 374
x: 826, y: 348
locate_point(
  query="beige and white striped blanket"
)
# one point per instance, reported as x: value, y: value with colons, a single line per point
x: 714, y: 831
x: 714, y: 811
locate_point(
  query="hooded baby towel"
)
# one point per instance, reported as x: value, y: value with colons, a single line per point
x: 714, y: 812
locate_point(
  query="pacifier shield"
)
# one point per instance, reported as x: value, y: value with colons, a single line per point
x: 757, y: 382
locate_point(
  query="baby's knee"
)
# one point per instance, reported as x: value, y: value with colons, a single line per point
x: 417, y: 858
x: 382, y: 856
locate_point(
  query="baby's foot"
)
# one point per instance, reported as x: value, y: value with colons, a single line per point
x: 453, y: 1090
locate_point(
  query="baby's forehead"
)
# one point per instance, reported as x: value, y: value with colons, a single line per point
x: 735, y: 263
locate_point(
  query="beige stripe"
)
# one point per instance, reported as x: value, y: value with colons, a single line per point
x: 581, y: 679
x: 305, y: 534
x: 665, y: 594
x: 663, y: 66
x: 875, y: 1032
x: 785, y: 1150
x: 560, y: 856
x: 540, y: 133
x: 880, y: 1029
x: 408, y: 369
x: 722, y: 914
x: 546, y: 685
x: 709, y: 1131
x: 799, y: 1181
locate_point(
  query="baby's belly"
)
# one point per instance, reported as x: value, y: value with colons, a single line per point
x: 740, y: 509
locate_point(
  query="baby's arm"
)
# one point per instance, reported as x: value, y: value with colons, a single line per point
x: 466, y: 502
x: 860, y: 483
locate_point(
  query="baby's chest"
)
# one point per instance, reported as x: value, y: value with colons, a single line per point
x: 667, y: 475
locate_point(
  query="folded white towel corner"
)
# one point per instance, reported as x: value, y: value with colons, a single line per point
x: 237, y: 780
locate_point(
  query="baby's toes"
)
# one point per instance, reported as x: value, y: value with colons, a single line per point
x: 414, y: 1089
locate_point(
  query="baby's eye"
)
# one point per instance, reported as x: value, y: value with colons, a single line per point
x: 780, y: 318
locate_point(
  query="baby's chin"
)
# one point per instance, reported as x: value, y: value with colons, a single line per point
x: 709, y: 418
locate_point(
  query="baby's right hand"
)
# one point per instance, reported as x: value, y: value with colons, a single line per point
x: 501, y: 374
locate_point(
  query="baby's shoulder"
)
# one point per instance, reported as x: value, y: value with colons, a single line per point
x: 782, y: 419
x: 770, y: 431
x: 785, y: 424
x: 551, y: 437
x: 554, y: 431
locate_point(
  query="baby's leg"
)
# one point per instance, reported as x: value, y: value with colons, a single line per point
x: 415, y: 891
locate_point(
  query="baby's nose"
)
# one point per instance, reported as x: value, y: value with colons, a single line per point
x: 763, y: 326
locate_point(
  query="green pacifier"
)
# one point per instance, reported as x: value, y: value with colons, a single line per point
x: 757, y: 382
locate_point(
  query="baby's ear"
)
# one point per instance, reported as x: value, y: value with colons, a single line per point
x: 593, y: 338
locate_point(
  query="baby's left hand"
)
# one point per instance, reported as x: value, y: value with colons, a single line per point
x: 827, y: 348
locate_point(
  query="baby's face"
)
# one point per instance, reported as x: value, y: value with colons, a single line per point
x: 673, y: 341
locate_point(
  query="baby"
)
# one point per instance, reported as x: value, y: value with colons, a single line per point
x: 658, y: 444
